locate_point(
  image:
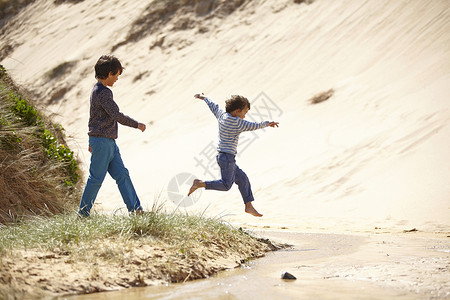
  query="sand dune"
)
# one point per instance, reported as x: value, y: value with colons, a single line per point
x: 375, y: 154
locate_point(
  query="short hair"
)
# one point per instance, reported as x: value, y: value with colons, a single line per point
x: 236, y: 102
x: 107, y: 64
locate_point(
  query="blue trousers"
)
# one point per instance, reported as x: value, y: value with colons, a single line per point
x: 230, y: 174
x: 106, y: 158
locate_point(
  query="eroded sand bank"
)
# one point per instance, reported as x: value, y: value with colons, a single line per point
x: 327, y: 266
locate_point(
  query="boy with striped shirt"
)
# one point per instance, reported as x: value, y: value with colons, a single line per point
x: 231, y: 124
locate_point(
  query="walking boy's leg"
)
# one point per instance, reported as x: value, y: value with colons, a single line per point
x: 100, y: 158
x: 243, y: 183
x: 121, y: 175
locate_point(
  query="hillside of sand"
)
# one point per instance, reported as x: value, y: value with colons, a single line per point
x: 376, y: 153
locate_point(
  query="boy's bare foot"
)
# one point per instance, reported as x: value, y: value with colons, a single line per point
x: 251, y: 210
x: 195, y: 185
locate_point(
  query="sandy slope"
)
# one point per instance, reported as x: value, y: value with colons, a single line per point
x: 376, y: 154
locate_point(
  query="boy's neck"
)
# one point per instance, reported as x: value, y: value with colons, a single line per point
x: 102, y: 82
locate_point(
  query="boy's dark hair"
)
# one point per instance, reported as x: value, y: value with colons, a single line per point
x: 107, y: 64
x: 236, y: 102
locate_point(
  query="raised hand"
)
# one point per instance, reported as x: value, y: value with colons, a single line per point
x: 200, y: 96
x: 142, y: 127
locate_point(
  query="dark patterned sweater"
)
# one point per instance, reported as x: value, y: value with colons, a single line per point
x: 104, y: 114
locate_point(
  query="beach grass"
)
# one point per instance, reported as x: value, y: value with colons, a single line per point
x: 65, y: 233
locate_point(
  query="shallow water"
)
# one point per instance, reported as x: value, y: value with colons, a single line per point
x: 261, y: 278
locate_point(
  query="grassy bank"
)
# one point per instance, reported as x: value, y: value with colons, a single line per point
x: 63, y: 254
x: 39, y: 173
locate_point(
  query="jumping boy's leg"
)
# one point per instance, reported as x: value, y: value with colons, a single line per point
x: 243, y: 183
x: 121, y: 175
x: 100, y: 158
x: 231, y: 173
x: 227, y: 165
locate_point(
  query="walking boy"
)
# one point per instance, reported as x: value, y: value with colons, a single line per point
x: 231, y: 124
x: 103, y: 130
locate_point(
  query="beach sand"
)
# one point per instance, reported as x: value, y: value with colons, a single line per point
x: 372, y: 160
x: 327, y: 266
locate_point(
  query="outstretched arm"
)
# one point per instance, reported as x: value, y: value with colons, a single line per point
x: 215, y: 109
x: 243, y: 125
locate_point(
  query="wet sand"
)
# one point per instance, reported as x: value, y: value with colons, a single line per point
x: 327, y: 266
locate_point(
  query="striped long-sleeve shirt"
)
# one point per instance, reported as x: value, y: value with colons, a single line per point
x: 105, y: 113
x: 231, y: 127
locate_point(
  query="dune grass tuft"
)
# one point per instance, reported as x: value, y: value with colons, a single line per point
x: 321, y: 97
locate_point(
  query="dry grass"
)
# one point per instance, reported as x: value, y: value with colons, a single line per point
x: 179, y: 15
x: 304, y: 1
x: 30, y: 187
x: 12, y: 7
x: 321, y: 97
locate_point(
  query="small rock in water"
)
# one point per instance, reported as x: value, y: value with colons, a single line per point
x: 287, y: 275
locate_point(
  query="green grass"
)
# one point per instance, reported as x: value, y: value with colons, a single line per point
x: 69, y: 234
x: 25, y: 114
